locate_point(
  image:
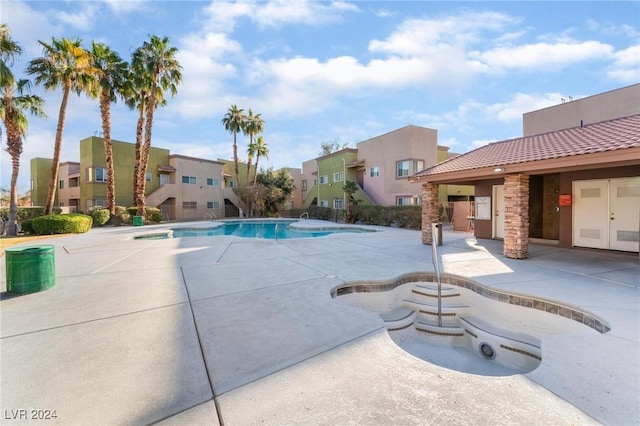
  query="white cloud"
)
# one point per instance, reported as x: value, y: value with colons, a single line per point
x: 222, y: 16
x: 83, y: 17
x: 420, y: 37
x: 121, y: 7
x: 626, y: 67
x: 612, y: 29
x: 542, y: 55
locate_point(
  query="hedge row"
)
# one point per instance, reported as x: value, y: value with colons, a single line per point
x: 73, y: 223
x: 401, y: 216
x: 25, y: 213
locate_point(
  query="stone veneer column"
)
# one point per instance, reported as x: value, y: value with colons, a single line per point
x: 430, y: 210
x: 516, y: 216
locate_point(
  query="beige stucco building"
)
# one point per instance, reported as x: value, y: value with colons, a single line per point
x: 575, y: 183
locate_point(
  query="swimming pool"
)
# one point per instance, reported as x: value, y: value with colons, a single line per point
x: 263, y: 229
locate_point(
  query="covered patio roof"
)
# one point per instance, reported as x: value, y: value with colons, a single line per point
x: 612, y: 143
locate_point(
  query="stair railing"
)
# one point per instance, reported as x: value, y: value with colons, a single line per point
x: 436, y: 266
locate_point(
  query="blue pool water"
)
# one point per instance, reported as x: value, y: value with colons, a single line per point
x: 269, y: 230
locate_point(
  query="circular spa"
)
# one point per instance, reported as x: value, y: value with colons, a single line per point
x: 260, y: 228
x: 475, y: 330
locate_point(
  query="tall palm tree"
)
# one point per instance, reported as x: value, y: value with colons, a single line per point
x: 65, y: 64
x: 13, y: 105
x: 111, y: 73
x: 159, y: 71
x: 262, y: 150
x: 9, y: 52
x: 233, y: 122
x: 253, y: 125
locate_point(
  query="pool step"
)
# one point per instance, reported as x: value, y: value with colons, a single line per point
x: 430, y: 290
x: 450, y: 311
x: 399, y: 318
x: 446, y: 330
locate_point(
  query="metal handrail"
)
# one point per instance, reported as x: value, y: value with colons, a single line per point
x: 276, y: 231
x: 305, y: 213
x: 436, y: 266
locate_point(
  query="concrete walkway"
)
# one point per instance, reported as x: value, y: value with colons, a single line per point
x: 234, y: 331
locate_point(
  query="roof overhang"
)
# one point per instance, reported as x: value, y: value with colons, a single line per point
x: 598, y: 160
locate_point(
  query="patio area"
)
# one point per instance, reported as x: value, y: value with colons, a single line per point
x: 236, y: 331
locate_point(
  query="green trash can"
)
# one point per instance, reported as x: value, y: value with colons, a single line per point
x: 138, y: 221
x: 30, y: 269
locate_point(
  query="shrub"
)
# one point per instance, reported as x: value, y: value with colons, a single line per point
x: 24, y: 213
x: 27, y: 226
x: 152, y: 214
x: 100, y: 216
x: 73, y: 223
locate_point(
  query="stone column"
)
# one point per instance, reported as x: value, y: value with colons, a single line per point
x: 430, y: 210
x: 516, y: 216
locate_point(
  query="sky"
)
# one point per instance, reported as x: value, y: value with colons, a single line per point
x: 344, y: 71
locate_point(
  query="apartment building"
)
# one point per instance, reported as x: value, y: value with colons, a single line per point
x: 572, y: 180
x: 381, y: 167
x: 182, y: 187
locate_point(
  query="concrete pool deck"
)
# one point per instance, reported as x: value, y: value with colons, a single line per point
x: 244, y: 331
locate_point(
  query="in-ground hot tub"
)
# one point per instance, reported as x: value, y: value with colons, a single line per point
x: 483, y: 331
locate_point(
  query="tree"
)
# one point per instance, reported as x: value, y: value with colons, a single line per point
x: 274, y: 190
x: 159, y: 71
x: 233, y: 122
x: 111, y: 74
x: 261, y: 150
x: 253, y: 125
x: 350, y: 187
x: 65, y: 64
x: 15, y: 102
x: 331, y: 146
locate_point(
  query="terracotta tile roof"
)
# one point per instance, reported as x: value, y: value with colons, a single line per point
x: 356, y: 163
x: 611, y: 135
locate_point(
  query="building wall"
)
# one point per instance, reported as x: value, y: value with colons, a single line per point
x: 69, y: 186
x: 328, y: 166
x: 617, y: 103
x: 201, y: 194
x: 384, y: 151
x: 296, y: 175
x: 40, y: 173
x: 92, y: 156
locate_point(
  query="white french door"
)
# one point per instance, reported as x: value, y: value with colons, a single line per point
x: 498, y: 211
x: 606, y: 213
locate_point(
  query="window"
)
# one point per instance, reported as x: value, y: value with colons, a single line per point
x: 61, y: 204
x: 304, y: 185
x: 100, y: 174
x: 409, y: 167
x: 213, y: 182
x: 324, y: 203
x: 315, y: 182
x: 408, y: 201
x: 324, y: 179
x: 337, y: 203
x: 189, y: 205
x: 338, y: 177
x: 61, y: 184
x: 92, y: 204
x: 374, y: 171
x: 147, y: 177
x: 233, y: 184
x: 213, y: 204
x: 189, y: 179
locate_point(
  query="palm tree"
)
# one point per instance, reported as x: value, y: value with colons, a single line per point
x: 67, y: 65
x: 350, y: 187
x: 253, y: 125
x: 9, y: 52
x: 233, y: 122
x: 159, y: 71
x: 111, y: 74
x: 262, y: 150
x: 13, y: 105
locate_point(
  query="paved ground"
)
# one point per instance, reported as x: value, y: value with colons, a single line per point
x: 241, y: 331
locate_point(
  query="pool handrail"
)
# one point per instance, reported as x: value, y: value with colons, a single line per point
x: 436, y: 266
x: 305, y: 213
